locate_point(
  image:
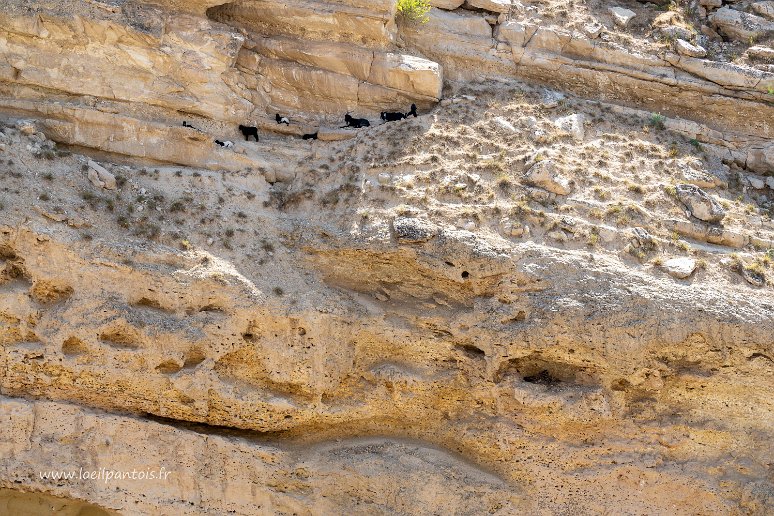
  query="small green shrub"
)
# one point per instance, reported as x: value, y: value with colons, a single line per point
x: 414, y: 10
x: 657, y: 120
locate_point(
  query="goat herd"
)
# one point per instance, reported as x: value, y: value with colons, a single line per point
x: 349, y: 121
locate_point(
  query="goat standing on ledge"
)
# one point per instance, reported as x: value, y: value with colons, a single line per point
x: 248, y: 132
x: 356, y: 123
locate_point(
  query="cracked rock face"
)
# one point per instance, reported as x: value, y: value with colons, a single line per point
x: 700, y: 203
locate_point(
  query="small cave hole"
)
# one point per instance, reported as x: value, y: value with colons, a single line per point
x: 542, y: 378
x: 472, y: 351
x: 465, y: 274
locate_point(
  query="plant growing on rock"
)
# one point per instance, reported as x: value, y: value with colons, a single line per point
x: 657, y: 120
x: 414, y: 10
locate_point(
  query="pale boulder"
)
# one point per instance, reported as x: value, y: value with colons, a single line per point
x: 621, y: 16
x: 100, y: 177
x: 765, y: 9
x: 572, y: 124
x: 448, y: 5
x: 700, y: 203
x: 687, y: 49
x: 741, y: 26
x: 495, y: 6
x: 679, y: 268
x: 544, y: 174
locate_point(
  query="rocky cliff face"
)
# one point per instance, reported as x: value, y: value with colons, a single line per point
x: 520, y: 301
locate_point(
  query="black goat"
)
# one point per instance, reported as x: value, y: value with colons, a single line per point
x: 392, y: 117
x: 356, y: 123
x: 248, y: 132
x: 413, y: 111
x: 312, y: 136
x: 282, y: 119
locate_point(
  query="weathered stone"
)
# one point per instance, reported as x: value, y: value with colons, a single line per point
x: 100, y: 177
x: 741, y: 26
x: 680, y: 268
x: 495, y: 6
x: 593, y: 30
x: 700, y: 203
x: 687, y: 49
x: 505, y: 124
x: 765, y: 9
x: 449, y: 5
x: 544, y: 174
x: 621, y: 16
x: 384, y: 178
x: 756, y: 182
x: 675, y: 32
x: 410, y: 230
x: 572, y: 124
x: 761, y: 53
x: 761, y: 159
x: 711, y: 3
x: 26, y: 127
x: 642, y: 239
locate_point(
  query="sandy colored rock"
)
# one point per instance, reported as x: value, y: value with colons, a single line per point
x: 741, y: 26
x: 495, y: 6
x: 449, y: 5
x: 572, y: 124
x: 700, y: 203
x: 765, y: 9
x: 679, y: 268
x: 544, y: 174
x: 621, y: 16
x: 687, y: 49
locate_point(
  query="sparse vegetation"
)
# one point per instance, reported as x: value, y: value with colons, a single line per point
x: 414, y: 11
x: 657, y: 121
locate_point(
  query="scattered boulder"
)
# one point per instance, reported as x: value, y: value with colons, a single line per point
x: 413, y: 231
x: 741, y: 26
x: 551, y: 98
x: 676, y: 32
x: 495, y: 6
x: 100, y: 177
x: 384, y: 178
x: 511, y: 228
x: 26, y: 127
x: 698, y: 177
x: 572, y: 124
x: 679, y: 268
x: 545, y: 175
x: 593, y: 30
x: 700, y: 203
x: 761, y: 159
x: 761, y: 53
x: 448, y: 5
x: 505, y: 124
x: 751, y: 276
x: 687, y: 49
x: 765, y: 9
x: 756, y: 182
x: 621, y: 16
x: 712, y: 4
x: 641, y: 239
